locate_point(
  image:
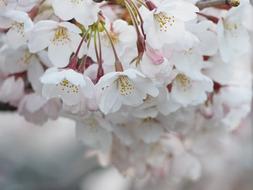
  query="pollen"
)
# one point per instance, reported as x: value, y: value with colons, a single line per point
x: 92, y: 123
x: 76, y: 1
x: 235, y: 3
x: 125, y: 86
x: 149, y: 119
x: 19, y: 28
x: 25, y: 59
x: 231, y: 26
x: 60, y: 36
x: 164, y: 21
x: 66, y: 86
x: 183, y: 81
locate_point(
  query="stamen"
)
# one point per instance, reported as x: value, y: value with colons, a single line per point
x: 231, y: 26
x: 164, y: 21
x: 61, y: 36
x: 19, y: 27
x: 26, y: 57
x: 77, y: 2
x: 183, y: 81
x: 124, y: 85
x: 66, y: 86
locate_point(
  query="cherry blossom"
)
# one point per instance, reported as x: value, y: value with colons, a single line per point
x: 232, y: 34
x: 66, y: 84
x: 129, y: 87
x: 12, y: 90
x: 165, y: 23
x: 37, y: 109
x: 190, y: 91
x: 61, y: 39
x: 18, y: 24
x: 94, y: 131
x: 84, y: 11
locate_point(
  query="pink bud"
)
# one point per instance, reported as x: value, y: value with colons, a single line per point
x: 155, y: 55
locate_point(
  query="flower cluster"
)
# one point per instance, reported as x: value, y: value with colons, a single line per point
x: 141, y: 78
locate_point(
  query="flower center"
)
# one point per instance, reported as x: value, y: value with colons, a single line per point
x: 164, y: 21
x: 19, y: 28
x: 61, y: 35
x: 230, y: 26
x: 183, y: 81
x: 25, y: 59
x: 149, y: 119
x: 92, y: 122
x: 66, y: 86
x: 76, y: 1
x: 124, y: 85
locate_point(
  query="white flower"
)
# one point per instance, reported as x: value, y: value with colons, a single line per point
x: 190, y: 86
x: 186, y: 166
x: 23, y: 5
x: 84, y: 11
x: 153, y: 105
x: 165, y: 24
x: 206, y: 33
x: 37, y: 109
x: 149, y: 130
x: 94, y: 131
x: 165, y: 103
x: 18, y: 24
x: 6, y: 5
x: 235, y: 104
x: 66, y: 84
x: 235, y: 73
x: 189, y: 61
x: 61, y: 39
x: 12, y: 90
x: 190, y: 91
x: 129, y: 87
x: 156, y: 66
x: 233, y: 35
x: 119, y: 31
x: 14, y: 61
x: 21, y: 60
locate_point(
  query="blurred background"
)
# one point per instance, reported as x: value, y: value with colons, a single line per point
x: 50, y: 158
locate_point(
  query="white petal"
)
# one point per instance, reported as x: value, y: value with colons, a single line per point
x: 59, y: 55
